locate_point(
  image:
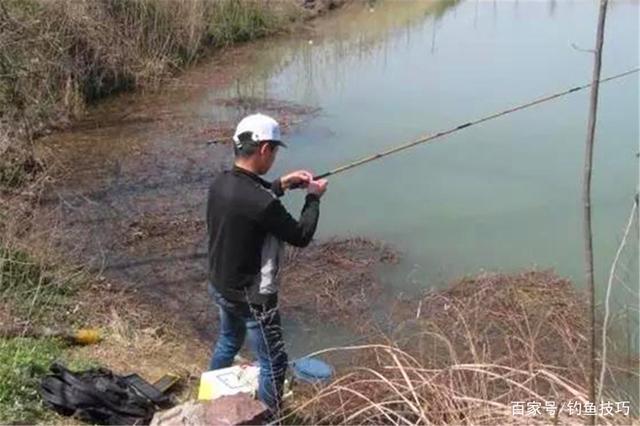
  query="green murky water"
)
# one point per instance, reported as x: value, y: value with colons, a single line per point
x: 500, y: 196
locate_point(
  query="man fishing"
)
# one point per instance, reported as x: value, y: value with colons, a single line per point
x: 247, y: 228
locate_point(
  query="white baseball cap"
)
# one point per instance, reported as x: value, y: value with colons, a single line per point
x: 259, y: 128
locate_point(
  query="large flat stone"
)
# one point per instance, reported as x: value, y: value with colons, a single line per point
x: 239, y: 409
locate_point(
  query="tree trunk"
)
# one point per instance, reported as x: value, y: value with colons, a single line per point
x: 586, y: 196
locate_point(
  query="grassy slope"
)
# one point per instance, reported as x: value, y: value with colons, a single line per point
x: 55, y: 57
x: 32, y: 296
x: 22, y: 362
x: 37, y: 295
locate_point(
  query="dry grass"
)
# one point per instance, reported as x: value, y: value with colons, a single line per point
x: 56, y: 56
x: 343, y: 273
x: 40, y: 290
x: 465, y: 356
x: 137, y: 340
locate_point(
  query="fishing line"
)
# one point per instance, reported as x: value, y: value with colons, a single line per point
x: 430, y: 138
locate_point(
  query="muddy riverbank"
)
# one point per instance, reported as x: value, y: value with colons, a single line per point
x: 126, y: 196
x: 143, y: 230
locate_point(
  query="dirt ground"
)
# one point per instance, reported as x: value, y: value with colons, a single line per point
x: 153, y: 339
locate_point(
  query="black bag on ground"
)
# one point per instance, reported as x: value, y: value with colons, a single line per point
x: 96, y: 396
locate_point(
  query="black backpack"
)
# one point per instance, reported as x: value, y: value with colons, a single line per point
x: 97, y: 396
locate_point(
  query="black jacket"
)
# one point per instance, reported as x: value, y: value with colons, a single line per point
x: 247, y: 225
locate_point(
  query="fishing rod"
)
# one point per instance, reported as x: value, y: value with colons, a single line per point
x: 430, y: 138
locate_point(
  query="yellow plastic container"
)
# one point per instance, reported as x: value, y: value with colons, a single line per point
x: 86, y: 336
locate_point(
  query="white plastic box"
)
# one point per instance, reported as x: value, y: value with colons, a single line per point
x: 229, y: 381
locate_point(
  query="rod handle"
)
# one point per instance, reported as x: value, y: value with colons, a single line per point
x: 322, y: 176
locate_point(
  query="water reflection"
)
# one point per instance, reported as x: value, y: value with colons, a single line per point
x: 336, y: 47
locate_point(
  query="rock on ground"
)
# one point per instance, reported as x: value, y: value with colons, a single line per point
x: 239, y: 409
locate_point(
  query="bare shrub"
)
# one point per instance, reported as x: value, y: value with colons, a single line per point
x: 465, y: 356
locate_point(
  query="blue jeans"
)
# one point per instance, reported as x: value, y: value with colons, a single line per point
x: 261, y: 325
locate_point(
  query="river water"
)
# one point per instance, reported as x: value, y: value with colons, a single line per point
x: 502, y: 196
